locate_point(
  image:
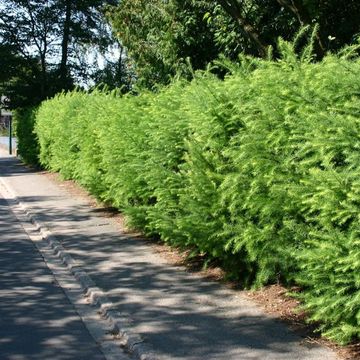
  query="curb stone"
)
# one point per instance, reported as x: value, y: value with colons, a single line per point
x: 132, y: 343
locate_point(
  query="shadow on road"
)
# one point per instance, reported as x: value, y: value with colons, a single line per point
x: 180, y: 314
x: 11, y: 166
x: 36, y: 319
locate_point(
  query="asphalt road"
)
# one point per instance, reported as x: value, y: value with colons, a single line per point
x: 36, y: 319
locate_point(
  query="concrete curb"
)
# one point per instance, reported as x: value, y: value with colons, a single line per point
x: 132, y: 342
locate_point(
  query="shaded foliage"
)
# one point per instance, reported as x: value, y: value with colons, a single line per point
x: 27, y: 145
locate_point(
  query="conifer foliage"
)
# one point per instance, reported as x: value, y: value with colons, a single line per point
x: 259, y: 171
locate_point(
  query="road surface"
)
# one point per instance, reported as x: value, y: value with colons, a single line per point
x: 36, y: 319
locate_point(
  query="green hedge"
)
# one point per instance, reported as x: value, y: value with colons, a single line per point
x: 260, y: 171
x: 27, y: 145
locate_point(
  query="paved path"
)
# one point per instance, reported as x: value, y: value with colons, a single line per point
x: 36, y: 319
x: 4, y: 142
x: 176, y: 314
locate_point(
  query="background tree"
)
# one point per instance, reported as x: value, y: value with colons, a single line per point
x: 250, y: 27
x: 28, y: 34
x: 22, y: 84
x: 83, y: 27
x: 263, y: 21
x: 117, y: 71
x: 160, y: 35
x: 49, y: 41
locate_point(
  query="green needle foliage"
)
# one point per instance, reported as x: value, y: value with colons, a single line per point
x: 27, y: 146
x: 259, y: 171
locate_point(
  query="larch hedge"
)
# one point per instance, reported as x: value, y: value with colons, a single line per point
x: 259, y: 171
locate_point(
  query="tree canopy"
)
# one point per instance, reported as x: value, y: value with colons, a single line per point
x: 45, y: 45
x: 160, y: 35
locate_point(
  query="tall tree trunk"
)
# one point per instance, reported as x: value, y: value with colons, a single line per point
x: 65, y: 43
x: 41, y: 45
x: 43, y: 75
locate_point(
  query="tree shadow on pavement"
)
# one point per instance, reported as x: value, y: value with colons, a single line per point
x: 180, y: 314
x: 11, y: 166
x: 36, y: 319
